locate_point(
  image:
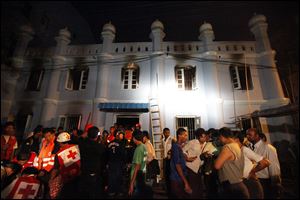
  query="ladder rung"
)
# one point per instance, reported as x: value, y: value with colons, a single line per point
x: 156, y: 111
x: 155, y: 118
x: 153, y: 105
x: 156, y: 133
x: 156, y: 126
x: 157, y: 141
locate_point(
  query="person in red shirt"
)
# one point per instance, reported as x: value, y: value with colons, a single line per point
x: 8, y: 141
x: 111, y: 136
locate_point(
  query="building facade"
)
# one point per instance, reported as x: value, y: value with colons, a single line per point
x: 203, y: 83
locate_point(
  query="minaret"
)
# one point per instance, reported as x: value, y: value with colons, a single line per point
x: 269, y: 78
x: 214, y: 114
x: 52, y: 94
x: 11, y: 79
x: 157, y: 71
x: 103, y: 74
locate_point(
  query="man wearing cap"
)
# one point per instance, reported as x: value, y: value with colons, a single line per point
x: 27, y: 186
x: 138, y: 169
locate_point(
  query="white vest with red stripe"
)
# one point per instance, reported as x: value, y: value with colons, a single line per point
x: 24, y: 187
x: 69, y: 162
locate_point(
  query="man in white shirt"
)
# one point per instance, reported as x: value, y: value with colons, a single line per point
x: 270, y: 176
x: 193, y: 149
x: 167, y: 144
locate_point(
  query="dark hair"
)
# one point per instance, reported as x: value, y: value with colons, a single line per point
x: 146, y: 134
x: 199, y: 132
x: 263, y: 136
x: 93, y: 132
x: 119, y: 131
x: 166, y: 129
x: 60, y: 128
x: 180, y: 131
x: 239, y: 135
x: 105, y: 132
x: 226, y: 132
x: 38, y: 128
x: 138, y: 135
x: 46, y: 130
x: 80, y: 132
x: 9, y: 124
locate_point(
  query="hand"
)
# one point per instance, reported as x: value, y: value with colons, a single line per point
x: 187, y: 188
x: 252, y: 175
x: 130, y: 191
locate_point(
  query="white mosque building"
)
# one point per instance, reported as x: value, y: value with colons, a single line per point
x: 159, y: 84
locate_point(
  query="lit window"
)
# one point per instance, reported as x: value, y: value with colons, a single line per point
x: 77, y: 79
x: 130, y: 76
x: 185, y: 77
x: 238, y: 77
x: 35, y: 80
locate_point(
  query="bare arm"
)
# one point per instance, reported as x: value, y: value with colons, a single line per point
x: 186, y: 183
x: 131, y: 187
x: 225, y: 154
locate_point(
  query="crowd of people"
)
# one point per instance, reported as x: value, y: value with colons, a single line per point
x: 50, y: 164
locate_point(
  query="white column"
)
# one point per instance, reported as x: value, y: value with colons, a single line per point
x: 48, y: 115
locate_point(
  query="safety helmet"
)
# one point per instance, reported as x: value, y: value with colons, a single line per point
x: 63, y: 137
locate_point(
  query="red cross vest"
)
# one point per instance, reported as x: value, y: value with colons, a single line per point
x: 69, y: 162
x: 7, y: 148
x: 32, y: 161
x: 24, y: 187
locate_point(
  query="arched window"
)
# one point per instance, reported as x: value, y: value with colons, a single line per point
x: 130, y: 76
x: 185, y: 77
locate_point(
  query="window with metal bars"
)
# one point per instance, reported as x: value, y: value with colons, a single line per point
x: 185, y: 77
x: 188, y: 123
x: 77, y: 79
x: 69, y: 122
x: 130, y: 76
x: 238, y: 77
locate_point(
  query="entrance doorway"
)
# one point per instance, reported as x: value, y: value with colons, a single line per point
x: 127, y: 121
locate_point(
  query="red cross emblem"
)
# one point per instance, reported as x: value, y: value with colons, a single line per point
x: 72, y: 154
x: 26, y: 192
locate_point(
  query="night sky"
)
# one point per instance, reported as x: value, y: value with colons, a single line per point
x: 182, y: 19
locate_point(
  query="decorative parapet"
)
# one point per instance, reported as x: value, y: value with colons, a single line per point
x: 146, y: 47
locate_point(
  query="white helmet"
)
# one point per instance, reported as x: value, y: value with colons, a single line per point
x: 63, y: 137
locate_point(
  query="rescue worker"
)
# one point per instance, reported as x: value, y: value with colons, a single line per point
x: 116, y: 163
x: 27, y: 186
x: 67, y: 162
x: 49, y: 148
x: 26, y: 159
x: 11, y: 169
x: 8, y: 141
x: 111, y: 136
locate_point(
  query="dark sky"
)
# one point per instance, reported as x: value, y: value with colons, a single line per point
x: 182, y: 19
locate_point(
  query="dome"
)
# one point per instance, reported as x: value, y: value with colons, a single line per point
x: 65, y: 32
x: 157, y: 24
x: 205, y: 26
x: 27, y: 29
x: 256, y: 19
x: 109, y: 27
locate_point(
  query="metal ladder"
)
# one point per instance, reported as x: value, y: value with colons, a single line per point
x: 156, y: 131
